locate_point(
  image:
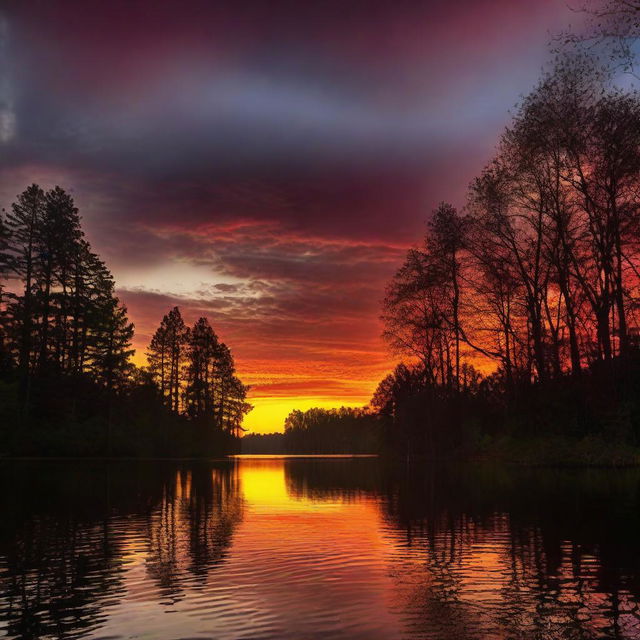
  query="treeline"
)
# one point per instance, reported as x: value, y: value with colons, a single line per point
x: 537, y: 280
x: 322, y: 431
x: 262, y: 443
x: 67, y: 383
x: 343, y: 430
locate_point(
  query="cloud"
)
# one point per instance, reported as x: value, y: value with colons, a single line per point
x: 301, y: 316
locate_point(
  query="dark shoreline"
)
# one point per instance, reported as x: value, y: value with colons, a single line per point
x: 481, y: 460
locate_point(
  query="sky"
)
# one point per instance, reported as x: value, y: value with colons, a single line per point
x: 265, y: 164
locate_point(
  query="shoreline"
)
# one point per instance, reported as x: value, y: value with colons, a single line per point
x: 484, y: 459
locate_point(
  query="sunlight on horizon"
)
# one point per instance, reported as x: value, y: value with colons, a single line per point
x: 269, y: 414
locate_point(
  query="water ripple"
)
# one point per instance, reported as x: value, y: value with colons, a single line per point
x: 309, y: 549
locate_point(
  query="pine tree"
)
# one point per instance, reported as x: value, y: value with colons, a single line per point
x: 64, y: 318
x: 57, y: 239
x: 159, y: 359
x: 195, y: 363
x: 24, y: 222
x: 230, y: 394
x: 5, y: 270
x: 177, y: 335
x: 111, y: 345
x: 166, y: 355
x: 202, y: 350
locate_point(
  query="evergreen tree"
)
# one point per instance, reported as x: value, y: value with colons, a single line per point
x: 229, y: 393
x: 5, y: 270
x: 64, y: 318
x: 57, y: 237
x: 194, y: 363
x: 202, y: 354
x: 111, y: 345
x: 166, y: 355
x: 159, y: 359
x: 24, y: 223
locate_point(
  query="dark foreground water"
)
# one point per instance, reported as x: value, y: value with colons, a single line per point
x: 316, y: 548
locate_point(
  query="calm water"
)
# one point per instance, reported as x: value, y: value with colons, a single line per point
x: 316, y: 548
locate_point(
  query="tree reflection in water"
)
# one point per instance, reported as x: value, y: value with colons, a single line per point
x: 306, y: 548
x: 478, y: 551
x: 71, y: 530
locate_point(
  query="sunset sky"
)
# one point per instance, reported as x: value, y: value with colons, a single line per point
x: 265, y: 164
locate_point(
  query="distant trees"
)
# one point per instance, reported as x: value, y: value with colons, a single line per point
x: 343, y: 430
x: 195, y: 373
x: 263, y: 443
x: 346, y: 430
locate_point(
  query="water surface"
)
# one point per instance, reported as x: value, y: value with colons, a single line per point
x: 316, y: 548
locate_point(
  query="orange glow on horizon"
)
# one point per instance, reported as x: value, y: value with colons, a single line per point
x: 269, y: 414
x: 274, y: 396
x: 278, y: 388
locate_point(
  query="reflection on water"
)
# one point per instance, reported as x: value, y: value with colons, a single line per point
x: 316, y: 548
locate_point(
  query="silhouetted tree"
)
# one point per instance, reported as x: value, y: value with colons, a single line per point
x: 166, y: 356
x: 24, y: 222
x: 61, y: 321
x: 612, y: 29
x: 540, y: 276
x: 423, y: 302
x: 111, y: 345
x: 194, y: 365
x: 5, y: 271
x: 203, y: 352
x: 229, y: 393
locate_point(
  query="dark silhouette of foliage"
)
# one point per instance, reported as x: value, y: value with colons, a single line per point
x: 166, y: 356
x: 343, y: 430
x: 611, y: 32
x: 537, y: 281
x: 536, y: 284
x: 262, y: 443
x: 67, y: 384
x: 195, y: 374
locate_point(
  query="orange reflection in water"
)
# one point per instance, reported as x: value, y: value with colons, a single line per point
x: 342, y: 548
x: 317, y: 564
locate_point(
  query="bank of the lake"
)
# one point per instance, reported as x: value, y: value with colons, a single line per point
x: 548, y: 451
x: 559, y: 451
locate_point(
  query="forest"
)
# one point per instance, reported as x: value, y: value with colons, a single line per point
x: 68, y: 386
x: 346, y: 430
x: 517, y: 318
x: 535, y: 285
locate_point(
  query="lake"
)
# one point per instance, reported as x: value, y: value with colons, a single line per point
x: 317, y: 548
